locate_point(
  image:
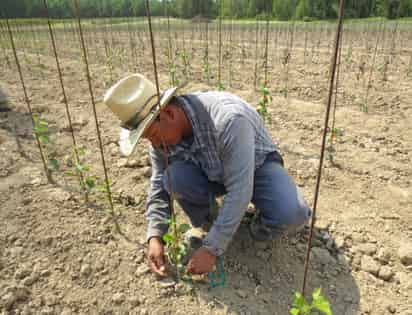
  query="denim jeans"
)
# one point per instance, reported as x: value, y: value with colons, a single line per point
x: 276, y: 197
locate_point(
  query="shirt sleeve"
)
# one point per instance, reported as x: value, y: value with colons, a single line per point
x: 158, y: 200
x: 238, y: 157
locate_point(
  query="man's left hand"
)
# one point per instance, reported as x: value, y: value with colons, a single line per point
x: 201, y: 262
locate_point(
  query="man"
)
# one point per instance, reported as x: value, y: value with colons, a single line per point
x: 216, y: 143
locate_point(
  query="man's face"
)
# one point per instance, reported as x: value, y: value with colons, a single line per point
x: 166, y: 129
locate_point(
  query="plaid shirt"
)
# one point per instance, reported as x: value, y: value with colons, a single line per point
x: 225, y: 129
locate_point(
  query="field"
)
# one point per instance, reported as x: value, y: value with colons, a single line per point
x: 62, y: 255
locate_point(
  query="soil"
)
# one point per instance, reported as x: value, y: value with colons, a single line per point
x: 61, y: 255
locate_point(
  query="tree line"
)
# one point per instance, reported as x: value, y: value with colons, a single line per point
x: 236, y: 9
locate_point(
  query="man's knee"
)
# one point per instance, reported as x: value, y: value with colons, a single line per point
x: 286, y: 210
x: 185, y: 180
x: 297, y: 210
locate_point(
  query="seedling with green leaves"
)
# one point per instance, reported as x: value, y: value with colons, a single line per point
x: 81, y: 170
x: 173, y: 74
x: 176, y: 248
x: 264, y: 103
x: 221, y: 87
x: 42, y: 132
x: 186, y: 63
x: 334, y: 135
x: 319, y: 305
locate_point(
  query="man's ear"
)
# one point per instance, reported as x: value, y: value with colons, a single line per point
x: 169, y: 111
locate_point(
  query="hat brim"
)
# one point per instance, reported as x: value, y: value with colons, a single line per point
x: 130, y: 138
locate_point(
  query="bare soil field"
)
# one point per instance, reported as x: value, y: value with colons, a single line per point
x: 60, y: 255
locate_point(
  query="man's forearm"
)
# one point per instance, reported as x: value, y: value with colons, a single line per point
x: 158, y: 214
x: 158, y: 211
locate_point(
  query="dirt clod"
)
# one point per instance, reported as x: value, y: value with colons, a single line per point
x: 368, y: 264
x: 405, y: 254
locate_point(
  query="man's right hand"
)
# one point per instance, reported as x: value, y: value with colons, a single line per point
x: 156, y: 257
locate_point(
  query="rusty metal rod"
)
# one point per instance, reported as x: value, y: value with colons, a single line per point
x: 28, y: 103
x: 89, y: 81
x: 219, y: 71
x: 60, y: 75
x: 325, y: 132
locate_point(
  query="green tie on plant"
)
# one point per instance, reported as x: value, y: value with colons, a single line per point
x: 319, y: 304
x: 42, y: 132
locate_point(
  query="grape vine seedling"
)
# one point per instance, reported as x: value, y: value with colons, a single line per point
x: 319, y: 305
x: 176, y: 248
x: 41, y: 130
x: 264, y: 103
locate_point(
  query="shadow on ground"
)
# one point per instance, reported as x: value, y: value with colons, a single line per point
x: 262, y: 278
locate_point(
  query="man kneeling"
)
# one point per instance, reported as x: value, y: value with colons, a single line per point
x: 216, y: 143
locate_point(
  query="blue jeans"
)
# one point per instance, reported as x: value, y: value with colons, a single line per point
x: 275, y: 195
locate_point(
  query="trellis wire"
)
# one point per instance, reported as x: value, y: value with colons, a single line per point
x: 372, y: 67
x: 332, y: 130
x: 153, y: 50
x: 266, y: 43
x: 76, y: 155
x: 206, y: 56
x: 106, y: 177
x: 2, y: 41
x: 256, y: 53
x: 169, y: 45
x: 165, y: 148
x: 219, y: 73
x: 26, y: 98
x: 325, y: 130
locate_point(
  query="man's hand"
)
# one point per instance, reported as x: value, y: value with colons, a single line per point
x: 201, y: 262
x: 156, y: 256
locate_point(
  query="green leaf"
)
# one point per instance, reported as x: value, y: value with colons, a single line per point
x: 82, y: 168
x: 53, y: 164
x: 167, y: 238
x: 321, y: 303
x: 70, y: 173
x: 294, y: 311
x: 39, y: 130
x: 81, y: 151
x: 316, y: 294
x: 299, y: 300
x: 90, y: 182
x: 183, y: 228
x: 44, y: 139
x: 101, y: 188
x: 182, y: 248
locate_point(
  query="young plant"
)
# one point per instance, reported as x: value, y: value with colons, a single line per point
x: 319, y: 304
x: 221, y: 87
x: 80, y: 169
x: 173, y: 74
x: 176, y: 248
x: 41, y: 130
x: 206, y: 67
x: 186, y: 63
x: 334, y: 135
x: 109, y: 59
x: 264, y: 103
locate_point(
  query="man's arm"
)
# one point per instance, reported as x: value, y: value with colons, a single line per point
x: 239, y: 167
x: 158, y: 211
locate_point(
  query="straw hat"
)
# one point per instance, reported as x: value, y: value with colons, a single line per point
x: 134, y: 101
